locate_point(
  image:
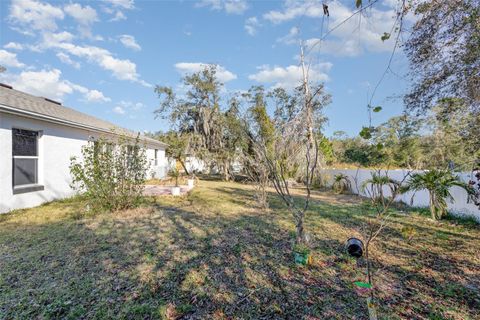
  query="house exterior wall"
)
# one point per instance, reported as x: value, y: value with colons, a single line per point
x: 56, y: 145
x: 160, y: 169
x: 459, y: 206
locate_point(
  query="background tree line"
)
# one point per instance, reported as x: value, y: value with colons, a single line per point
x: 448, y: 134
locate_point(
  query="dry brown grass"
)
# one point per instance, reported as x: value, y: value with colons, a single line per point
x: 214, y: 255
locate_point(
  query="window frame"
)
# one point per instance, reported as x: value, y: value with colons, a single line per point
x: 28, y: 187
x: 156, y: 157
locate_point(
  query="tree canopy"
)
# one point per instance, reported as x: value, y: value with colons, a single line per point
x: 444, y: 53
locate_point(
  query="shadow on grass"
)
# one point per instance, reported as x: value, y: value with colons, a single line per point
x: 194, y: 260
x: 445, y: 277
x: 164, y: 262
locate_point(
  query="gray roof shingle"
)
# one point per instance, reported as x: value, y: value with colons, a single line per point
x: 28, y: 103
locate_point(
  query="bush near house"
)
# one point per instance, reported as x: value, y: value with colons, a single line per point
x: 110, y: 174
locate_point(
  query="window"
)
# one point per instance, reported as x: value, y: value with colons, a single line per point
x: 156, y: 157
x: 25, y: 157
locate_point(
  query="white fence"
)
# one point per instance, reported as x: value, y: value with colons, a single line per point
x: 158, y: 172
x: 459, y: 206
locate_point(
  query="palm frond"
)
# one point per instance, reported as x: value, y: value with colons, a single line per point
x: 438, y: 183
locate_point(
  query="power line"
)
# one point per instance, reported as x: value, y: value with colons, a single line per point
x: 340, y: 24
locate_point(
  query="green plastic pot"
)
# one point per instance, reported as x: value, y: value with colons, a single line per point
x: 301, y: 258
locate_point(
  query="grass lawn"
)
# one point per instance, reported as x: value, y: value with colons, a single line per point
x: 213, y: 255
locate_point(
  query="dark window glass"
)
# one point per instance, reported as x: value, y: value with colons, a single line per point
x: 24, y: 171
x: 24, y: 142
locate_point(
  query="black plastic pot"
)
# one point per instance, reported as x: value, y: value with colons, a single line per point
x: 354, y: 247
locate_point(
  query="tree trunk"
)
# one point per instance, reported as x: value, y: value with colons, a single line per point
x: 226, y: 174
x: 183, y: 166
x: 301, y: 239
x: 432, y: 207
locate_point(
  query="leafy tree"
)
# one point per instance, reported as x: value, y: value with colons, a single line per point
x: 286, y: 106
x: 326, y: 148
x: 111, y: 173
x: 178, y: 146
x: 444, y: 53
x: 449, y: 134
x: 234, y: 139
x: 261, y: 133
x: 198, y: 113
x: 174, y: 173
x: 438, y: 184
x: 364, y: 154
x: 454, y: 135
x: 300, y: 119
x: 400, y: 141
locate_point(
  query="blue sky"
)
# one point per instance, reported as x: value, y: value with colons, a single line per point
x: 104, y: 57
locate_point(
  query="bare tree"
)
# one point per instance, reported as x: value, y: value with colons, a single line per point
x: 297, y: 136
x: 382, y: 192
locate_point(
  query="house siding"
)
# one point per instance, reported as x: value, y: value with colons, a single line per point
x: 57, y: 144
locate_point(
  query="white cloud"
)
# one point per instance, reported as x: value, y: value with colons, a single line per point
x: 236, y: 6
x: 230, y: 6
x: 13, y: 46
x: 96, y: 96
x: 251, y: 25
x: 125, y: 4
x: 65, y: 58
x: 130, y: 107
x: 39, y: 19
x: 349, y: 39
x: 50, y: 39
x: 35, y: 15
x: 291, y: 76
x: 344, y: 47
x: 122, y: 69
x: 295, y: 9
x: 129, y: 42
x: 9, y: 59
x: 119, y: 110
x: 290, y: 37
x: 48, y: 83
x: 117, y: 6
x: 135, y: 106
x: 85, y: 16
x: 118, y: 16
x: 45, y: 83
x: 223, y: 75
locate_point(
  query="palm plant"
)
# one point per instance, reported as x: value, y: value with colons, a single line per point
x: 438, y: 184
x: 374, y: 187
x: 341, y: 183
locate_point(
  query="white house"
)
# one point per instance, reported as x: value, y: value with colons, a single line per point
x: 38, y: 136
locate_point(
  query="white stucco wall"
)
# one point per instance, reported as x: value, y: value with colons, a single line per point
x: 194, y: 164
x: 57, y: 144
x: 459, y: 206
x: 159, y: 170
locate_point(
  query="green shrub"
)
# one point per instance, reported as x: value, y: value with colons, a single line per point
x: 174, y: 173
x: 341, y: 183
x: 438, y: 184
x: 110, y: 174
